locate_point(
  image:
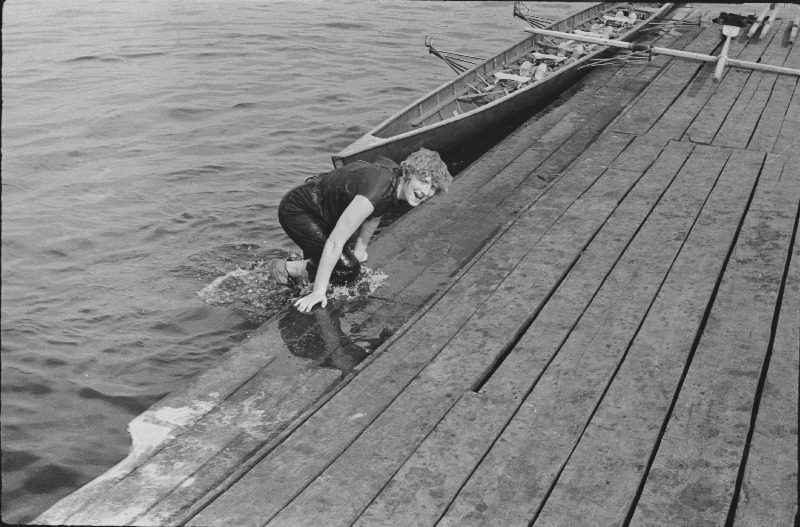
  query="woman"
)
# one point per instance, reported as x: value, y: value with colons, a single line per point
x: 322, y: 215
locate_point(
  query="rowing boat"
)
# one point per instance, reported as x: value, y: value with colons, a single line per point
x: 470, y: 105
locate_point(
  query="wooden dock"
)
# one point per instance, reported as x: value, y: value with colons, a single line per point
x: 599, y: 325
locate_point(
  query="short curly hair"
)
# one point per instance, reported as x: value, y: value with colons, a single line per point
x: 426, y: 165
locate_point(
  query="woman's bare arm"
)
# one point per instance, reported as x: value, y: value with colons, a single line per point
x: 353, y: 217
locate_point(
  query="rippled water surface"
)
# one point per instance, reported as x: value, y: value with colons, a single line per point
x: 145, y: 147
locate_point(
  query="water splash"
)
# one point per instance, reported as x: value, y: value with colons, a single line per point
x: 368, y: 281
x: 250, y: 290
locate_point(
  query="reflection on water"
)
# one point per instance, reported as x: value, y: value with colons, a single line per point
x: 250, y: 291
x: 318, y: 336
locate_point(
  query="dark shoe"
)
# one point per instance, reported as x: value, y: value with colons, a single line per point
x: 277, y: 269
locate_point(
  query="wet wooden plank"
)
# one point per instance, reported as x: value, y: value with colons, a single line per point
x: 457, y: 248
x: 740, y: 123
x: 252, y: 415
x: 514, y: 478
x: 158, y: 427
x: 693, y: 476
x: 291, y: 466
x: 769, y: 487
x: 486, y: 195
x: 348, y: 485
x: 730, y: 92
x: 550, y: 146
x: 215, y: 467
x: 423, y: 488
x: 601, y: 478
x: 338, y: 348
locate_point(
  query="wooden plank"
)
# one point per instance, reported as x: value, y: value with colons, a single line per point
x: 418, y: 284
x: 769, y: 487
x: 287, y: 469
x: 730, y: 92
x: 426, y: 484
x: 498, y: 186
x: 346, y: 487
x: 375, y: 320
x: 663, y: 91
x: 643, y: 153
x: 735, y: 132
x: 789, y: 136
x: 422, y: 488
x: 771, y: 121
x: 252, y: 415
x: 693, y: 476
x: 511, y: 483
x: 477, y: 201
x: 601, y: 478
x: 164, y: 421
x: 693, y: 98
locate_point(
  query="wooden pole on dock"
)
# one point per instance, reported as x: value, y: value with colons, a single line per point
x: 770, y: 21
x: 759, y: 20
x: 634, y: 46
x: 729, y: 32
x: 795, y: 25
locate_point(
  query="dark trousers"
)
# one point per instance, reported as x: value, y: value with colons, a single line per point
x: 307, y: 230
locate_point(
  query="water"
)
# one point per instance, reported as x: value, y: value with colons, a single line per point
x: 145, y: 147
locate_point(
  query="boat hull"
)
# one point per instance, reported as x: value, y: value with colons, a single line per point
x: 450, y: 135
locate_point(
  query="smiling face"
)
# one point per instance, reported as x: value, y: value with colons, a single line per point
x: 424, y: 173
x: 414, y: 191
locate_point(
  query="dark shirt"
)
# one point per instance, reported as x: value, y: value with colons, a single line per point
x: 330, y: 194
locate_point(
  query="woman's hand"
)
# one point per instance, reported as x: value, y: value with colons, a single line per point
x: 315, y: 297
x: 361, y: 255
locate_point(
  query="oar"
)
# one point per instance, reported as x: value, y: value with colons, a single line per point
x: 758, y: 21
x: 635, y: 46
x: 768, y: 25
x: 729, y: 32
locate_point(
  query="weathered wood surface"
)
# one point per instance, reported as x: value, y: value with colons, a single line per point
x: 601, y: 328
x: 501, y: 281
x: 693, y: 476
x: 744, y: 116
x: 768, y: 493
x: 729, y: 91
x: 603, y: 473
x: 413, y: 497
x: 515, y: 477
x: 490, y: 194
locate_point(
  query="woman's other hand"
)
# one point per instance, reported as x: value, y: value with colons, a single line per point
x: 305, y: 304
x: 361, y: 255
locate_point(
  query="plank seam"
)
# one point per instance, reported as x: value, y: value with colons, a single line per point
x: 693, y: 349
x: 761, y: 115
x: 646, y: 89
x: 514, y: 340
x: 698, y: 70
x: 484, y: 378
x: 625, y: 354
x: 569, y: 332
x: 762, y: 379
x: 750, y: 75
x: 198, y: 506
x: 243, y: 468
